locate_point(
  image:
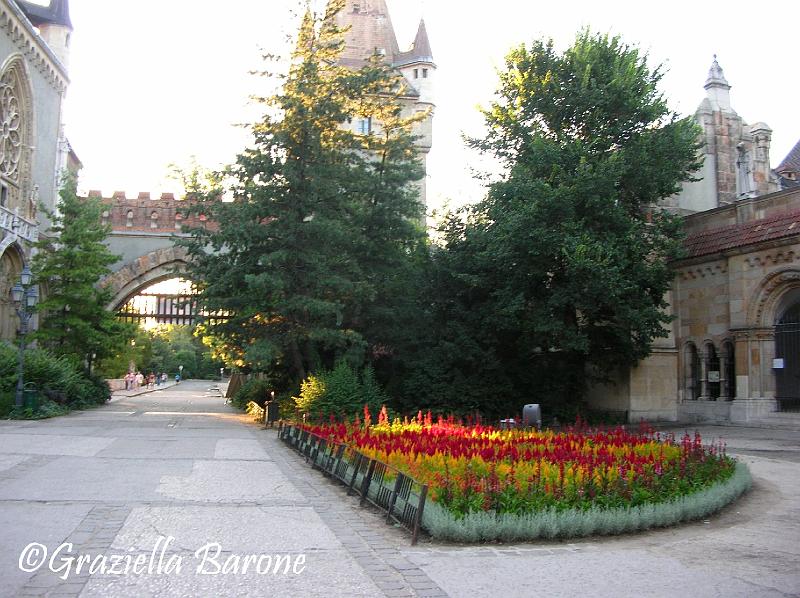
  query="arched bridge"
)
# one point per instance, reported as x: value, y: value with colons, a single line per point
x: 143, y: 234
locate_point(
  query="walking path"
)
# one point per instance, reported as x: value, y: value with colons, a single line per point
x: 175, y: 476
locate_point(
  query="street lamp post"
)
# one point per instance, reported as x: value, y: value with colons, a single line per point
x: 24, y: 296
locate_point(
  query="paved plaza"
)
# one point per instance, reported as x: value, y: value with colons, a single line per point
x: 174, y: 493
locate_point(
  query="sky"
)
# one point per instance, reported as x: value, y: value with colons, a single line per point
x: 160, y: 82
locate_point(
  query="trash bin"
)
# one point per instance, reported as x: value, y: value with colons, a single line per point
x: 30, y: 399
x: 272, y: 415
x: 532, y: 416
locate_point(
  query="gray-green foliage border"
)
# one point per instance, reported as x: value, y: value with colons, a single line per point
x: 574, y: 523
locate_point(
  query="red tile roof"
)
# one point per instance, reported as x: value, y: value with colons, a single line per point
x: 717, y: 240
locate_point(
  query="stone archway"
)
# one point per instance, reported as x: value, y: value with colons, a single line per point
x: 11, y: 263
x: 755, y: 349
x: 769, y: 295
x: 144, y: 271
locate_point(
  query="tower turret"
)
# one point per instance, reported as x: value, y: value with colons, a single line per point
x: 417, y: 65
x: 717, y: 88
x: 369, y: 30
x: 54, y: 25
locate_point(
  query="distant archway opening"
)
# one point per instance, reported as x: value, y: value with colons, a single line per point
x: 167, y: 301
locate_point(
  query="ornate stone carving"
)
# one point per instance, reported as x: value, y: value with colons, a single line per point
x: 11, y: 125
x: 744, y: 172
x: 767, y: 295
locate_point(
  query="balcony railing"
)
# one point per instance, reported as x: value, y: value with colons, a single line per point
x: 16, y: 224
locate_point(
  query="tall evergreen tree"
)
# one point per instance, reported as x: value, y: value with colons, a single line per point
x: 69, y: 266
x: 320, y: 215
x: 558, y: 277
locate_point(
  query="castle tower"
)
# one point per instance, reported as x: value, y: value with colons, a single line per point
x: 369, y: 30
x: 54, y: 25
x: 735, y: 155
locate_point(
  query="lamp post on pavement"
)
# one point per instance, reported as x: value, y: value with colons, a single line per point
x: 24, y: 296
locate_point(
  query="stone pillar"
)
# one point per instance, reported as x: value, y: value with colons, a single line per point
x: 723, y: 378
x: 704, y: 396
x: 742, y: 351
x: 766, y: 350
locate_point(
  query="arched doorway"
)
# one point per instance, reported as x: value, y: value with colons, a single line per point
x: 787, y: 354
x: 11, y: 263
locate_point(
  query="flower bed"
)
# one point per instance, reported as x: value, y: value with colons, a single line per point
x: 475, y: 472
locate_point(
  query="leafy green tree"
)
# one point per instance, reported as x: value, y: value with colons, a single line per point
x: 558, y: 277
x: 320, y: 219
x: 69, y: 266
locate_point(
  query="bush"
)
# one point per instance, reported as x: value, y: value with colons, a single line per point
x: 60, y: 382
x: 255, y: 390
x: 6, y: 403
x: 340, y: 392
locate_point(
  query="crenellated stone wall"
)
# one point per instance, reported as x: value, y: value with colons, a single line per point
x: 144, y: 213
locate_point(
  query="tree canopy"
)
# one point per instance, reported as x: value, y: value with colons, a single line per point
x: 70, y: 263
x: 558, y: 277
x: 321, y: 216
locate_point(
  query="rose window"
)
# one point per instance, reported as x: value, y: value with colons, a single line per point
x: 10, y: 126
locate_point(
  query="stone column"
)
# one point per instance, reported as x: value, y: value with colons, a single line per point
x: 723, y: 379
x: 704, y: 376
x: 742, y: 355
x: 766, y: 349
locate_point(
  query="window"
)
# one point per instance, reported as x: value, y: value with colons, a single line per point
x: 416, y: 73
x: 154, y: 219
x: 424, y: 73
x: 3, y: 195
x: 129, y: 219
x: 364, y: 126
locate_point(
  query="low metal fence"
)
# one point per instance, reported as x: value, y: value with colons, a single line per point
x: 376, y: 482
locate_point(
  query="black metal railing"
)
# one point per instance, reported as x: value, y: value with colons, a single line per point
x: 380, y: 484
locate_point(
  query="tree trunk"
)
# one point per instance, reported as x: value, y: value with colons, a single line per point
x: 297, y: 360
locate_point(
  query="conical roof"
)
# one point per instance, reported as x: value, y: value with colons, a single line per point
x: 716, y: 78
x: 56, y: 13
x: 420, y: 51
x: 791, y: 163
x: 369, y: 30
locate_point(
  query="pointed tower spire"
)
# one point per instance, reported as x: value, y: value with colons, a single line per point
x: 716, y: 78
x: 718, y: 88
x: 421, y: 50
x: 369, y: 30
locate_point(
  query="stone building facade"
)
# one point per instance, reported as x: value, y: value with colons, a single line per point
x: 732, y: 352
x: 34, y: 45
x: 735, y: 297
